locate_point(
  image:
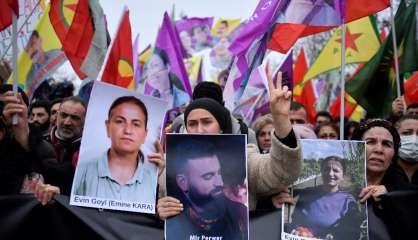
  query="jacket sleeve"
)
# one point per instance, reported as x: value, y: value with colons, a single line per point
x: 271, y: 173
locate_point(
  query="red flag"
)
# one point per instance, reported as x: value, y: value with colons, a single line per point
x: 6, y: 9
x: 59, y: 19
x: 349, y: 107
x: 300, y: 68
x: 287, y: 33
x: 308, y: 99
x: 119, y: 68
x: 76, y: 39
x: 80, y: 34
x: 411, y: 89
x: 303, y: 94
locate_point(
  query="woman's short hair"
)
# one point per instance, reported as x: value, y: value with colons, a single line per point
x: 130, y: 99
x: 260, y: 122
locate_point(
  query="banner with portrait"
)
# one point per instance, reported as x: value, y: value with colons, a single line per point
x: 120, y: 136
x: 207, y: 173
x: 195, y: 34
x: 326, y: 194
x: 165, y: 74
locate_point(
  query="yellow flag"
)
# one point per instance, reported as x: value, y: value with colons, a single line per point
x: 43, y: 5
x: 358, y: 114
x: 193, y: 69
x: 41, y: 56
x: 219, y: 27
x: 361, y: 44
x: 145, y: 55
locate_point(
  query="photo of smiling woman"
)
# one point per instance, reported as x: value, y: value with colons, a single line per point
x: 118, y: 173
x: 325, y: 203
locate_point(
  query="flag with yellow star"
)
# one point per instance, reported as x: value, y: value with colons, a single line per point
x: 374, y: 86
x: 362, y: 42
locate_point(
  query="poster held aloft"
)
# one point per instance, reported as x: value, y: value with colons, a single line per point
x: 207, y: 173
x: 114, y: 170
x: 326, y: 202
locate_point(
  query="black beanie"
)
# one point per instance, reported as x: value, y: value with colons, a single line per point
x: 208, y: 90
x: 220, y: 113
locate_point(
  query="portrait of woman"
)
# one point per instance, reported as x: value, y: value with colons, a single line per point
x: 164, y: 83
x: 120, y: 155
x: 119, y: 172
x: 326, y: 211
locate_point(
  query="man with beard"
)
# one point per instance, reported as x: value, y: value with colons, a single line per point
x: 65, y: 139
x: 39, y: 115
x: 208, y: 213
x: 56, y: 159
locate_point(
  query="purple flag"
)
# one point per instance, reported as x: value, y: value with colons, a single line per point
x: 187, y: 24
x: 255, y: 94
x: 240, y: 72
x: 254, y: 102
x: 319, y: 86
x: 165, y: 74
x: 287, y: 71
x: 254, y: 27
x: 313, y: 13
x: 249, y: 48
x: 195, y: 34
x: 136, y: 62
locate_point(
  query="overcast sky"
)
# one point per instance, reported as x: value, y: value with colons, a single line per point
x: 146, y: 15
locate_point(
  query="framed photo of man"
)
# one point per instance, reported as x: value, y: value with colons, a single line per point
x: 207, y: 173
x: 326, y: 195
x: 120, y: 139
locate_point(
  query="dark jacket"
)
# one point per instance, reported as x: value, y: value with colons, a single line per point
x: 232, y: 225
x: 16, y: 162
x: 398, y: 208
x: 59, y: 170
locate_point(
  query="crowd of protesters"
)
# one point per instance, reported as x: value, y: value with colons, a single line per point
x: 39, y: 152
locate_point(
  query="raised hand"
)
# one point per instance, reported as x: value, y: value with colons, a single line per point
x: 15, y: 105
x: 280, y: 99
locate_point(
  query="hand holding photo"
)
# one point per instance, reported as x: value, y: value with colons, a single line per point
x: 122, y: 176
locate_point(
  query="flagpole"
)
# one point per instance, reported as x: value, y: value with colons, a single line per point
x: 342, y: 81
x: 109, y: 49
x: 21, y: 27
x: 395, y: 51
x: 14, y: 60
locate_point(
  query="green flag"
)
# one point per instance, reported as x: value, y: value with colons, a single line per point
x: 374, y: 86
